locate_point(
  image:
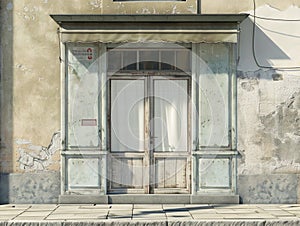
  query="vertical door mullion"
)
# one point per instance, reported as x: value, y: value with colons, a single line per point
x: 151, y: 124
x: 147, y: 138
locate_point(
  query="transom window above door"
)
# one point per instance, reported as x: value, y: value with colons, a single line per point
x: 149, y: 59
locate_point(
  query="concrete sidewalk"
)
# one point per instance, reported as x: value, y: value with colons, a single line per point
x: 139, y: 214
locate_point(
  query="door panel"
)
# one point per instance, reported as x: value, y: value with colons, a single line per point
x: 126, y: 173
x: 170, y: 173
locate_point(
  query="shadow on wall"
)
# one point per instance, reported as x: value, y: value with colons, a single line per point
x: 265, y: 51
x: 6, y: 89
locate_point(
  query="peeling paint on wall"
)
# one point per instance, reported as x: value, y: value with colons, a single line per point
x: 278, y: 135
x: 37, y: 157
x: 282, y: 129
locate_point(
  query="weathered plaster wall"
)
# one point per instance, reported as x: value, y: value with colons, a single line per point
x: 268, y: 105
x: 30, y: 79
x: 31, y: 76
x: 41, y: 187
x: 268, y: 99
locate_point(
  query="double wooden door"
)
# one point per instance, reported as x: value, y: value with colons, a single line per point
x: 149, y: 124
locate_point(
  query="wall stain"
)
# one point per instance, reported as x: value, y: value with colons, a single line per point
x: 36, y: 157
x: 249, y: 79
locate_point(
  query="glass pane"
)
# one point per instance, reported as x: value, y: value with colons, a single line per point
x: 83, y: 96
x: 127, y: 115
x: 214, y: 93
x: 114, y: 61
x: 149, y: 60
x: 130, y: 60
x: 183, y: 60
x: 170, y: 115
x: 167, y: 60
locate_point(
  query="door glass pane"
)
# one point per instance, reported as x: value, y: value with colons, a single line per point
x: 170, y: 115
x: 127, y: 115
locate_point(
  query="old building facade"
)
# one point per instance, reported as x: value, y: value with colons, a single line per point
x: 150, y: 102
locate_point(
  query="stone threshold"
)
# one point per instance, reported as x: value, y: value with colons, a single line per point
x: 149, y: 199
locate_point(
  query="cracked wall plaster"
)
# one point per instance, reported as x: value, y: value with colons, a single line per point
x: 36, y: 157
x: 275, y: 141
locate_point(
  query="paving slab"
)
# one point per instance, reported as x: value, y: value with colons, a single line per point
x: 121, y: 206
x: 150, y: 215
x: 95, y: 207
x: 7, y: 217
x: 207, y: 216
x: 10, y: 212
x: 74, y: 216
x: 35, y: 213
x: 28, y: 218
x: 148, y: 206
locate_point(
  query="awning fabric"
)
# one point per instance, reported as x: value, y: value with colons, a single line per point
x: 149, y: 28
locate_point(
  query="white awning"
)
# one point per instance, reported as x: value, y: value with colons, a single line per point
x: 149, y: 28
